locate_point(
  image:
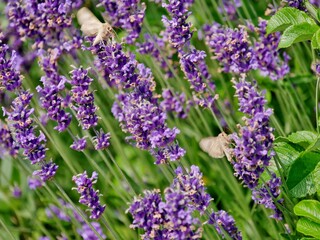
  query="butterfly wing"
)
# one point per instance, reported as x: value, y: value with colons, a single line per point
x: 212, y: 146
x: 90, y: 25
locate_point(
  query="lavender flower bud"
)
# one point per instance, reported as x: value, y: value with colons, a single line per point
x: 10, y: 78
x: 48, y: 170
x: 7, y: 143
x: 222, y: 220
x: 79, y: 144
x: 101, y: 141
x: 253, y: 146
x: 83, y: 99
x: 268, y: 56
x: 88, y: 196
x: 191, y: 184
x: 231, y: 48
x: 266, y: 194
x: 174, y: 104
x: 87, y: 233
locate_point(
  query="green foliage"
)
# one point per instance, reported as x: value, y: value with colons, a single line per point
x: 297, y: 25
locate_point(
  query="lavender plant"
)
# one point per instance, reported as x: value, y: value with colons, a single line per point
x: 132, y: 105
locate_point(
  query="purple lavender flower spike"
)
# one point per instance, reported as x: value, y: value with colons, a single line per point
x: 231, y: 48
x: 126, y: 14
x: 16, y: 192
x: 102, y: 140
x: 89, y: 196
x: 47, y: 172
x: 253, y: 146
x: 146, y: 215
x: 179, y: 216
x: 79, y: 144
x: 174, y: 104
x: 34, y: 183
x: 45, y: 22
x: 174, y: 217
x: 222, y: 220
x: 53, y: 210
x: 87, y: 233
x: 268, y: 56
x: 7, y: 143
x: 230, y: 8
x: 261, y: 195
x: 10, y: 78
x: 50, y: 98
x: 191, y: 184
x: 25, y: 138
x: 83, y: 99
x: 299, y: 4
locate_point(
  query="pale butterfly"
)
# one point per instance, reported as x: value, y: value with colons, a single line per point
x: 91, y: 26
x: 216, y: 147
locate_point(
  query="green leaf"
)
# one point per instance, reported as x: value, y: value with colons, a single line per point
x: 309, y: 209
x: 297, y: 33
x: 286, y: 17
x: 316, y: 178
x: 308, y: 228
x: 287, y: 152
x: 303, y: 138
x: 300, y: 178
x: 315, y: 41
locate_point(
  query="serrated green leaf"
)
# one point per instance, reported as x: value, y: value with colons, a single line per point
x: 314, y: 146
x: 308, y: 227
x: 286, y: 17
x: 309, y: 209
x: 300, y: 178
x: 287, y: 152
x: 316, y: 178
x: 297, y: 33
x: 315, y: 41
x: 304, y: 138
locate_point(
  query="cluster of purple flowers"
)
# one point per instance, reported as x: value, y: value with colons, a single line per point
x: 83, y: 99
x: 43, y: 21
x: 172, y: 218
x: 229, y: 8
x: 10, y: 78
x: 253, y: 150
x: 89, y: 196
x: 137, y: 108
x: 266, y: 194
x: 175, y: 104
x: 195, y: 69
x: 268, y: 56
x: 178, y: 30
x: 126, y: 14
x: 53, y: 84
x: 63, y: 213
x: 253, y: 145
x: 299, y: 4
x: 231, y: 48
x: 79, y: 144
x: 223, y: 221
x: 236, y: 54
x: 7, y: 143
x: 25, y: 136
x: 153, y: 45
x: 192, y: 61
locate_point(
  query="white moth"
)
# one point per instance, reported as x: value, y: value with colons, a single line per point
x: 91, y: 26
x: 216, y: 147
